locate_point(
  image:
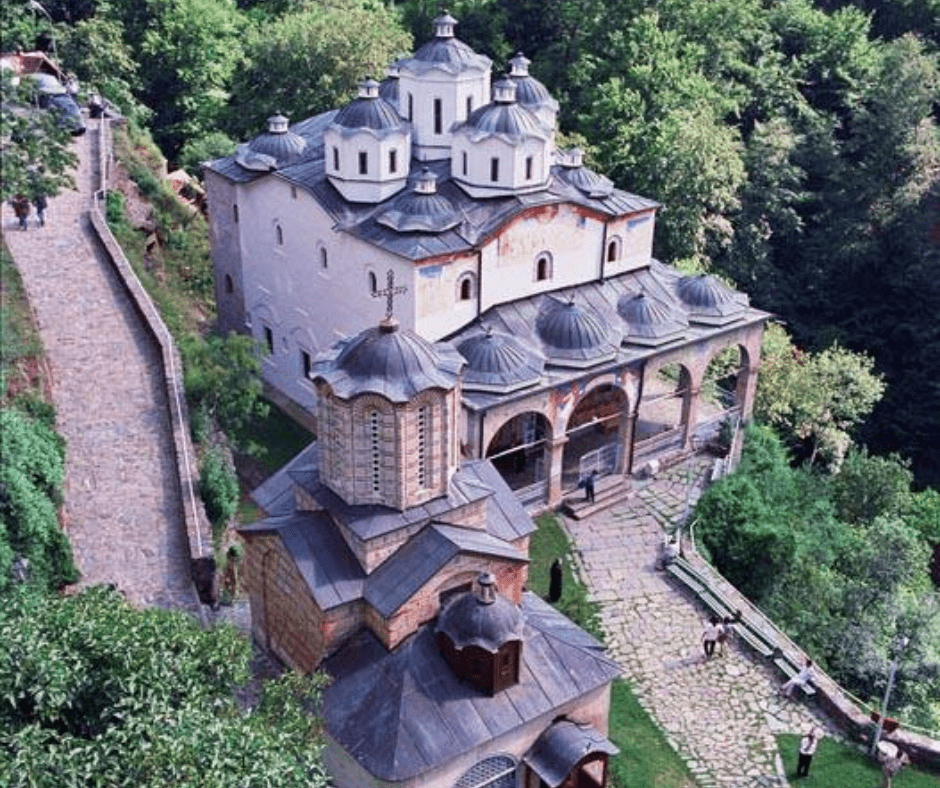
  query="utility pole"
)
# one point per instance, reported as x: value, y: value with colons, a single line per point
x: 900, y: 645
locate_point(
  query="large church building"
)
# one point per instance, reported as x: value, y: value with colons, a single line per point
x: 444, y: 190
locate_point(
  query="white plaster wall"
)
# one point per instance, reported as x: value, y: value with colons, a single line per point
x: 225, y: 244
x: 636, y: 234
x: 439, y: 311
x: 508, y: 259
x: 379, y: 182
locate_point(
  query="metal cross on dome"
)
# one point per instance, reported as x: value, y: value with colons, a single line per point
x: 390, y: 292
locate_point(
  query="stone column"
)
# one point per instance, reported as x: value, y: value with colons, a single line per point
x: 556, y: 451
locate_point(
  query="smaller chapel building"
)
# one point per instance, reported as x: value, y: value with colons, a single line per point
x: 400, y: 568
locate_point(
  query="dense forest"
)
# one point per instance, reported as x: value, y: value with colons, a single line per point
x: 794, y: 145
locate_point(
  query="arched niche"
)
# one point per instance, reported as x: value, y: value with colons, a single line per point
x: 519, y: 449
x: 595, y: 434
x: 663, y: 414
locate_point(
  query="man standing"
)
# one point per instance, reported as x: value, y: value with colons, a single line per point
x: 589, y: 487
x: 40, y: 202
x: 807, y: 749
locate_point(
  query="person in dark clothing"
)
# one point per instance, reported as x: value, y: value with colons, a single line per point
x: 554, y: 581
x: 20, y: 205
x: 589, y: 487
x: 807, y: 749
x: 40, y: 202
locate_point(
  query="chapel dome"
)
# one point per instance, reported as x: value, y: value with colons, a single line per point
x: 421, y: 209
x: 649, y: 321
x: 369, y: 111
x: 585, y: 180
x: 389, y: 362
x: 447, y: 52
x: 529, y: 91
x: 574, y: 334
x: 481, y: 618
x: 279, y: 142
x: 504, y: 116
x: 499, y: 362
x: 703, y: 290
x: 388, y: 87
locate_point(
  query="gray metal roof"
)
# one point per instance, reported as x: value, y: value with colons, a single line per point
x: 396, y: 364
x: 649, y: 321
x: 559, y: 749
x: 404, y: 713
x: 710, y: 300
x: 508, y: 120
x: 369, y: 111
x: 499, y: 362
x: 574, y: 334
x: 445, y: 52
x: 278, y: 142
x: 421, y: 208
x: 471, y: 620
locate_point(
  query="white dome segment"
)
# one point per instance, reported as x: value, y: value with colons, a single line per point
x: 438, y: 87
x: 502, y: 148
x: 367, y: 148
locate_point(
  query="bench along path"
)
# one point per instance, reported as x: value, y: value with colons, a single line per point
x: 722, y: 715
x: 122, y: 500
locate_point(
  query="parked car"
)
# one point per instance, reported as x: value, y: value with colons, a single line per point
x: 52, y: 95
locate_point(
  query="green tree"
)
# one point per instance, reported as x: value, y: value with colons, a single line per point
x: 35, y: 149
x: 32, y: 466
x: 223, y: 383
x: 218, y: 488
x: 94, y: 693
x: 307, y: 62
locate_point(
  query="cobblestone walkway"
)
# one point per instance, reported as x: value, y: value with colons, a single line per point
x: 122, y: 506
x: 722, y: 715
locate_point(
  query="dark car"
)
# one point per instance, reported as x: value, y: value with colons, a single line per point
x: 53, y: 96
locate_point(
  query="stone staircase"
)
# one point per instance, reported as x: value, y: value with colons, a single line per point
x: 608, y: 490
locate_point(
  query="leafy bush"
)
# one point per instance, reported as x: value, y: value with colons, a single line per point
x: 218, y: 488
x: 114, y: 207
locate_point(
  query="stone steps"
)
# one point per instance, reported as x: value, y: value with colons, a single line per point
x: 608, y: 490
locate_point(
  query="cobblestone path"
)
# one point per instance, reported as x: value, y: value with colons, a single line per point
x: 722, y: 715
x: 122, y: 501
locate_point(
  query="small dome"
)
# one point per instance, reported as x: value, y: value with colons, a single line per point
x: 369, y: 111
x: 505, y: 117
x: 529, y: 91
x: 498, y: 362
x: 587, y: 181
x: 481, y: 618
x: 282, y: 145
x: 388, y: 87
x: 574, y: 334
x: 421, y: 209
x: 703, y: 290
x: 649, y: 321
x: 383, y: 360
x: 447, y: 51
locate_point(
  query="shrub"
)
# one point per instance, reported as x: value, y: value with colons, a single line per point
x: 218, y: 488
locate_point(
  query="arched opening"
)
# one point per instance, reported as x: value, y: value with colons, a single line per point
x: 373, y: 283
x: 278, y: 235
x: 324, y: 262
x: 519, y: 450
x: 663, y: 414
x: 465, y: 288
x: 229, y: 285
x: 543, y: 267
x: 720, y: 399
x: 613, y: 250
x: 594, y: 434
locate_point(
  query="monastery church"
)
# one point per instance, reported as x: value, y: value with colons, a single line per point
x: 476, y: 322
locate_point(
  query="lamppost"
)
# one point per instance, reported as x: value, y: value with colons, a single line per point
x: 900, y: 645
x: 34, y: 6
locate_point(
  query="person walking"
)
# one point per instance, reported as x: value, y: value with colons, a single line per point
x: 40, y: 202
x: 589, y: 487
x: 807, y: 750
x: 892, y: 764
x: 801, y: 679
x: 710, y: 636
x: 20, y: 205
x: 724, y: 634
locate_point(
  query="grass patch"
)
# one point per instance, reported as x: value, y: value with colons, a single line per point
x: 837, y: 765
x: 280, y: 437
x: 645, y: 758
x: 20, y: 343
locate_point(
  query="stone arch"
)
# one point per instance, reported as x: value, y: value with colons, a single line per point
x: 596, y: 432
x: 663, y: 414
x: 722, y: 395
x: 519, y: 449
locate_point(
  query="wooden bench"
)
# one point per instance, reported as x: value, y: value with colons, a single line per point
x: 753, y: 638
x: 681, y: 570
x: 790, y: 670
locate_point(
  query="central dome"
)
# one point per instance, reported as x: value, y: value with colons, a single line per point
x: 481, y: 618
x: 368, y: 111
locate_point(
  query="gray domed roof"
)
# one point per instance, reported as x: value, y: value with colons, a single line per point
x: 481, y: 618
x: 446, y: 52
x: 499, y: 362
x: 529, y: 91
x: 709, y: 300
x: 420, y: 209
x: 387, y: 361
x: 575, y: 335
x: 388, y: 87
x: 278, y: 142
x: 650, y: 322
x: 504, y: 116
x: 587, y: 181
x: 369, y: 111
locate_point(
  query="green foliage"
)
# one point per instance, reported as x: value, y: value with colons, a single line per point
x: 218, y: 488
x: 36, y: 151
x: 19, y: 337
x: 114, y: 207
x: 210, y: 146
x: 31, y: 473
x: 94, y: 693
x: 222, y: 380
x: 306, y: 62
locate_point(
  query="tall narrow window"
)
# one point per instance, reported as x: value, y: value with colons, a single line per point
x: 543, y: 268
x: 305, y: 364
x: 464, y: 162
x: 411, y: 107
x: 269, y: 340
x: 613, y: 250
x: 235, y: 213
x: 424, y: 423
x: 393, y: 160
x: 469, y: 105
x: 438, y: 116
x: 373, y: 283
x: 335, y: 158
x: 466, y: 289
x: 494, y: 169
x: 528, y: 168
x: 229, y: 285
x: 324, y: 263
x: 375, y: 444
x: 293, y: 192
x: 363, y: 163
x: 278, y: 235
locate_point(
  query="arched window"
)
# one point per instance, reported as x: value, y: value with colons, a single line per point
x: 463, y: 158
x: 324, y: 263
x: 229, y: 286
x: 411, y: 107
x: 375, y: 450
x: 469, y: 105
x: 438, y: 116
x: 528, y: 167
x: 393, y: 161
x: 278, y: 235
x: 235, y: 213
x: 465, y: 287
x: 363, y: 163
x: 335, y: 158
x: 494, y: 169
x: 613, y: 250
x: 373, y: 283
x: 543, y: 267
